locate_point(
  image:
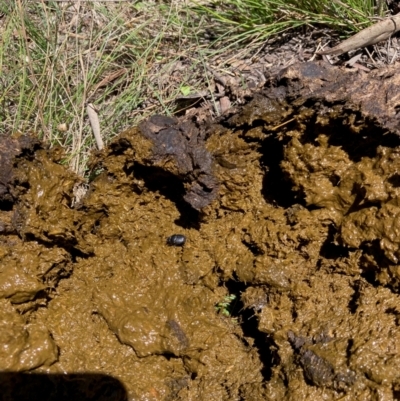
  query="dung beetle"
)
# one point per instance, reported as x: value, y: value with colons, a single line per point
x: 176, y: 240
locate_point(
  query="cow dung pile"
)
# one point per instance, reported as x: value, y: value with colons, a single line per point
x: 251, y: 258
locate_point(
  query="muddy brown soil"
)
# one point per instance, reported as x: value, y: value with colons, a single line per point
x: 291, y: 203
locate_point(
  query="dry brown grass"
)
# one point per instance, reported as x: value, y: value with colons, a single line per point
x: 128, y: 60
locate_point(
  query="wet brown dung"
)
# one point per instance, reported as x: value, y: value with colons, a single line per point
x: 291, y: 203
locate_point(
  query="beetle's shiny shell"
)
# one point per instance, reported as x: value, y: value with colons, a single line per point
x: 176, y: 240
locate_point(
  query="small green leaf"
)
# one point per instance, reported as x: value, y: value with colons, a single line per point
x: 224, y: 306
x: 185, y: 90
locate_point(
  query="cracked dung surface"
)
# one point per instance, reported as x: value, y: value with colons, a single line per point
x: 293, y: 199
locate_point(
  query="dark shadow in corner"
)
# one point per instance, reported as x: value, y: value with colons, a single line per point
x: 59, y: 387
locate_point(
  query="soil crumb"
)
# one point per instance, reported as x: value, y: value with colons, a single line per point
x: 291, y: 203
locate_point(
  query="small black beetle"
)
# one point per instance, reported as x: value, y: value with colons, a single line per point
x: 176, y: 240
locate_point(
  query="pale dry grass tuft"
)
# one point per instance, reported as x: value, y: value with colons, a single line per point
x: 57, y: 57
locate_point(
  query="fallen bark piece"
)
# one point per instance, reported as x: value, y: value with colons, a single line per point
x: 382, y: 30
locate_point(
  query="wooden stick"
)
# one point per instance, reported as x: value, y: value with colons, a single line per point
x: 382, y: 30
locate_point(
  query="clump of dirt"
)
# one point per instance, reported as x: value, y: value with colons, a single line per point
x: 291, y: 203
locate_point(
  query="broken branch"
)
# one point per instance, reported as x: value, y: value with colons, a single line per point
x: 382, y: 30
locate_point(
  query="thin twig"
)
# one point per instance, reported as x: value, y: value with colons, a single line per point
x: 281, y: 125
